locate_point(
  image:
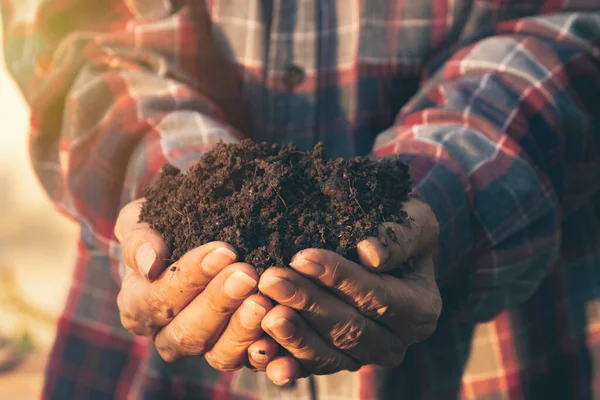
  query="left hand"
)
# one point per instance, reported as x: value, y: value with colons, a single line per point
x: 335, y: 315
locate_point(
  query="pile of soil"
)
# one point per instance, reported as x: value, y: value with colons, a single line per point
x: 271, y: 201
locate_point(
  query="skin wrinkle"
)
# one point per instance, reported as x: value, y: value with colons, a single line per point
x: 184, y: 275
x: 216, y: 307
x: 213, y: 357
x: 131, y: 319
x: 306, y: 303
x: 168, y: 354
x: 186, y: 342
x: 326, y: 365
x: 329, y: 365
x: 158, y: 308
x: 375, y: 300
x: 346, y: 335
x: 295, y: 341
x: 367, y: 303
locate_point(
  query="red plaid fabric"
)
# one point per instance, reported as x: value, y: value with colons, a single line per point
x: 493, y: 104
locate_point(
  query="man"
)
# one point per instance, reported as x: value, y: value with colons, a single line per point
x: 492, y: 104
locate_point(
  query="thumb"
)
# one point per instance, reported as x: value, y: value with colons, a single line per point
x: 397, y: 243
x: 144, y: 250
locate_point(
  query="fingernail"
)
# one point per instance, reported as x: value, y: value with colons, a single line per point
x: 145, y: 257
x: 372, y: 252
x: 239, y: 284
x: 216, y: 260
x: 225, y: 251
x: 280, y: 289
x: 298, y: 256
x: 251, y: 314
x: 308, y: 267
x: 282, y: 328
x: 283, y: 382
x: 258, y: 357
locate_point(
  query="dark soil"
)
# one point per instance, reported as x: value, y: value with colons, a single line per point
x: 271, y: 201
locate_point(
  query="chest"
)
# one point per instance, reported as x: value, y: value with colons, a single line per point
x: 334, y: 33
x: 339, y: 71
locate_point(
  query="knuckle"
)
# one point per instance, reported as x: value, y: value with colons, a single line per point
x: 331, y: 365
x: 187, y: 343
x: 122, y: 304
x: 373, y: 304
x: 346, y: 335
x: 425, y: 331
x: 436, y: 307
x: 304, y: 301
x: 128, y: 314
x: 168, y: 354
x: 428, y: 322
x: 432, y: 309
x: 298, y: 342
x: 396, y: 343
x: 217, y: 362
x: 190, y: 278
x: 244, y: 336
x: 219, y: 309
x: 392, y: 359
x: 131, y: 326
x: 160, y: 310
x: 426, y: 325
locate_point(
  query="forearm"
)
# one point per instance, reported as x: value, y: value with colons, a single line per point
x: 113, y: 98
x: 491, y: 141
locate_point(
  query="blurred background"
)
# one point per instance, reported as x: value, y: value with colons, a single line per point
x: 37, y: 249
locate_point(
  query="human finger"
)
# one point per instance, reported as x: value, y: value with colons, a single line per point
x: 143, y: 248
x: 338, y: 323
x: 293, y: 333
x: 230, y: 352
x: 284, y: 370
x: 197, y: 327
x: 398, y: 243
x: 348, y: 280
x: 262, y: 352
x: 398, y: 304
x: 146, y: 306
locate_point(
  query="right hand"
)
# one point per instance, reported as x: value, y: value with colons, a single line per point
x: 203, y: 304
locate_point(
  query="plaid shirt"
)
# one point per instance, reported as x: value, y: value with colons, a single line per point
x: 493, y: 104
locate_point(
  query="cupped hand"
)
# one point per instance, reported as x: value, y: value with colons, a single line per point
x: 335, y: 314
x: 205, y: 303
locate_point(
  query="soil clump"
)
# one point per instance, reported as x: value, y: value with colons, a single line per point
x: 271, y: 201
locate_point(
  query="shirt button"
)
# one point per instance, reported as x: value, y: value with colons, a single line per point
x: 293, y: 76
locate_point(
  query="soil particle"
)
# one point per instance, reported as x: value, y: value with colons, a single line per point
x: 391, y: 234
x: 271, y: 201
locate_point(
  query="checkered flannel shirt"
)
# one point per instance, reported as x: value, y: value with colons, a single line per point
x: 494, y: 104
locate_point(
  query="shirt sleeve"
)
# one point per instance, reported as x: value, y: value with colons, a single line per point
x: 503, y: 142
x: 116, y: 90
